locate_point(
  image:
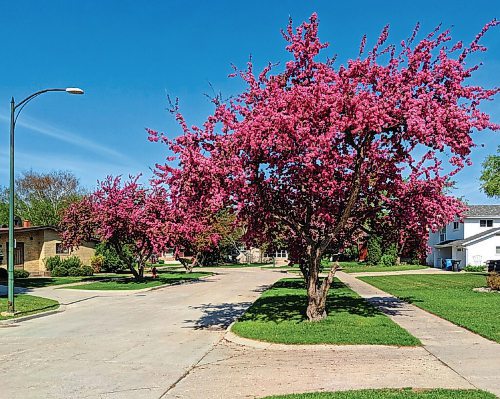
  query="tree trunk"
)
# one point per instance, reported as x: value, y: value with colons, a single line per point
x: 188, y: 266
x: 317, y: 293
x: 137, y: 276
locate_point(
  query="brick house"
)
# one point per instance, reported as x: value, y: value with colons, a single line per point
x: 36, y: 243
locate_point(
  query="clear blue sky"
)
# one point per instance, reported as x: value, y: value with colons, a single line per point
x: 128, y: 55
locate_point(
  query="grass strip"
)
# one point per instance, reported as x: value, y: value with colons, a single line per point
x: 406, y: 393
x: 27, y: 305
x: 128, y: 283
x: 279, y: 316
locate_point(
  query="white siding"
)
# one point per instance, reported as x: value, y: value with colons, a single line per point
x: 472, y: 225
x: 483, y: 250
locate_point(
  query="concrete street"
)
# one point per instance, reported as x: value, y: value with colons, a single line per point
x: 119, y: 344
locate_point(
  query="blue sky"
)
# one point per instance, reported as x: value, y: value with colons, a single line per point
x: 127, y: 55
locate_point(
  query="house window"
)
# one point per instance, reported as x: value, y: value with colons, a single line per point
x: 60, y: 249
x: 442, y: 234
x: 498, y: 250
x: 281, y: 253
x: 486, y: 223
x: 455, y: 225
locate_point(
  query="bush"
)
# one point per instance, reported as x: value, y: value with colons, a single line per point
x: 71, y: 262
x: 374, y: 250
x: 470, y: 268
x: 161, y: 262
x: 86, y: 271
x: 52, y: 262
x: 59, y: 271
x: 493, y: 281
x: 74, y: 271
x: 387, y: 260
x: 4, y: 275
x: 392, y: 250
x: 21, y: 274
x: 112, y: 262
x: 97, y: 263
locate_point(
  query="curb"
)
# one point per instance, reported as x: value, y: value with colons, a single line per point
x: 147, y: 289
x: 16, y: 320
x: 263, y: 345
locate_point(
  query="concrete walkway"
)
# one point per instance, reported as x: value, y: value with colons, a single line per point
x: 475, y: 358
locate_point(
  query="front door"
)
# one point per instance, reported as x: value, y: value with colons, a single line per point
x: 18, y: 254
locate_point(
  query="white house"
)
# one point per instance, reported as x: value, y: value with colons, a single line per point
x: 473, y: 241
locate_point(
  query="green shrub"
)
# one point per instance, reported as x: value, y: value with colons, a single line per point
x: 59, y: 271
x: 374, y: 250
x: 97, y: 263
x: 74, y: 271
x: 392, y: 250
x: 21, y: 274
x: 4, y: 275
x: 470, y: 268
x: 52, y: 262
x: 112, y: 262
x: 161, y: 262
x: 86, y: 271
x: 71, y: 261
x: 387, y: 260
x: 493, y: 281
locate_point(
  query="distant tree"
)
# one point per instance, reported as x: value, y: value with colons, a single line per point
x: 129, y: 218
x: 42, y: 197
x: 490, y: 176
x: 214, y: 243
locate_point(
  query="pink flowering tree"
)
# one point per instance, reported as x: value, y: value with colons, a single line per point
x: 129, y: 218
x: 315, y: 150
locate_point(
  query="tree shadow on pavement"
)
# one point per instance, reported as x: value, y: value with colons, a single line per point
x: 390, y: 305
x: 218, y: 316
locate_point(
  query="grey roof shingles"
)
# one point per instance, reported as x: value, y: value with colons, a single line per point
x: 483, y: 210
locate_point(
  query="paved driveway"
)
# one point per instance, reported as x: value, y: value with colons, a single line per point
x: 136, y: 345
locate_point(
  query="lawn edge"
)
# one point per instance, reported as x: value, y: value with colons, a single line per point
x: 61, y: 308
x: 192, y: 281
x: 257, y: 344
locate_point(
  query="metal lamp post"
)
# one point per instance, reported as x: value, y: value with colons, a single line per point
x: 15, y: 110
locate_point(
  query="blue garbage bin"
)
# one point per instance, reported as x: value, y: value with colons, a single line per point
x: 448, y: 265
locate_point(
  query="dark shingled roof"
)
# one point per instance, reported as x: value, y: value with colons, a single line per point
x: 483, y: 210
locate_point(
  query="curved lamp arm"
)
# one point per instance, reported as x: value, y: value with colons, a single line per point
x: 19, y: 107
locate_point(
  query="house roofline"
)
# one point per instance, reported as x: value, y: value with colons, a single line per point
x: 28, y: 229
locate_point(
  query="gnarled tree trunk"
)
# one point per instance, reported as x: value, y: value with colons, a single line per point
x: 317, y: 291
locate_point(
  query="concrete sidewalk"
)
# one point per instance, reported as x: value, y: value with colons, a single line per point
x: 475, y: 358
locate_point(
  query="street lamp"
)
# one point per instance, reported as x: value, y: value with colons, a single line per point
x: 15, y: 110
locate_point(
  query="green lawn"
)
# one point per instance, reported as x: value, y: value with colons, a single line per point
x: 449, y: 296
x: 231, y: 266
x: 28, y: 304
x: 38, y: 282
x: 357, y: 267
x: 128, y: 283
x: 406, y: 393
x: 279, y: 316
